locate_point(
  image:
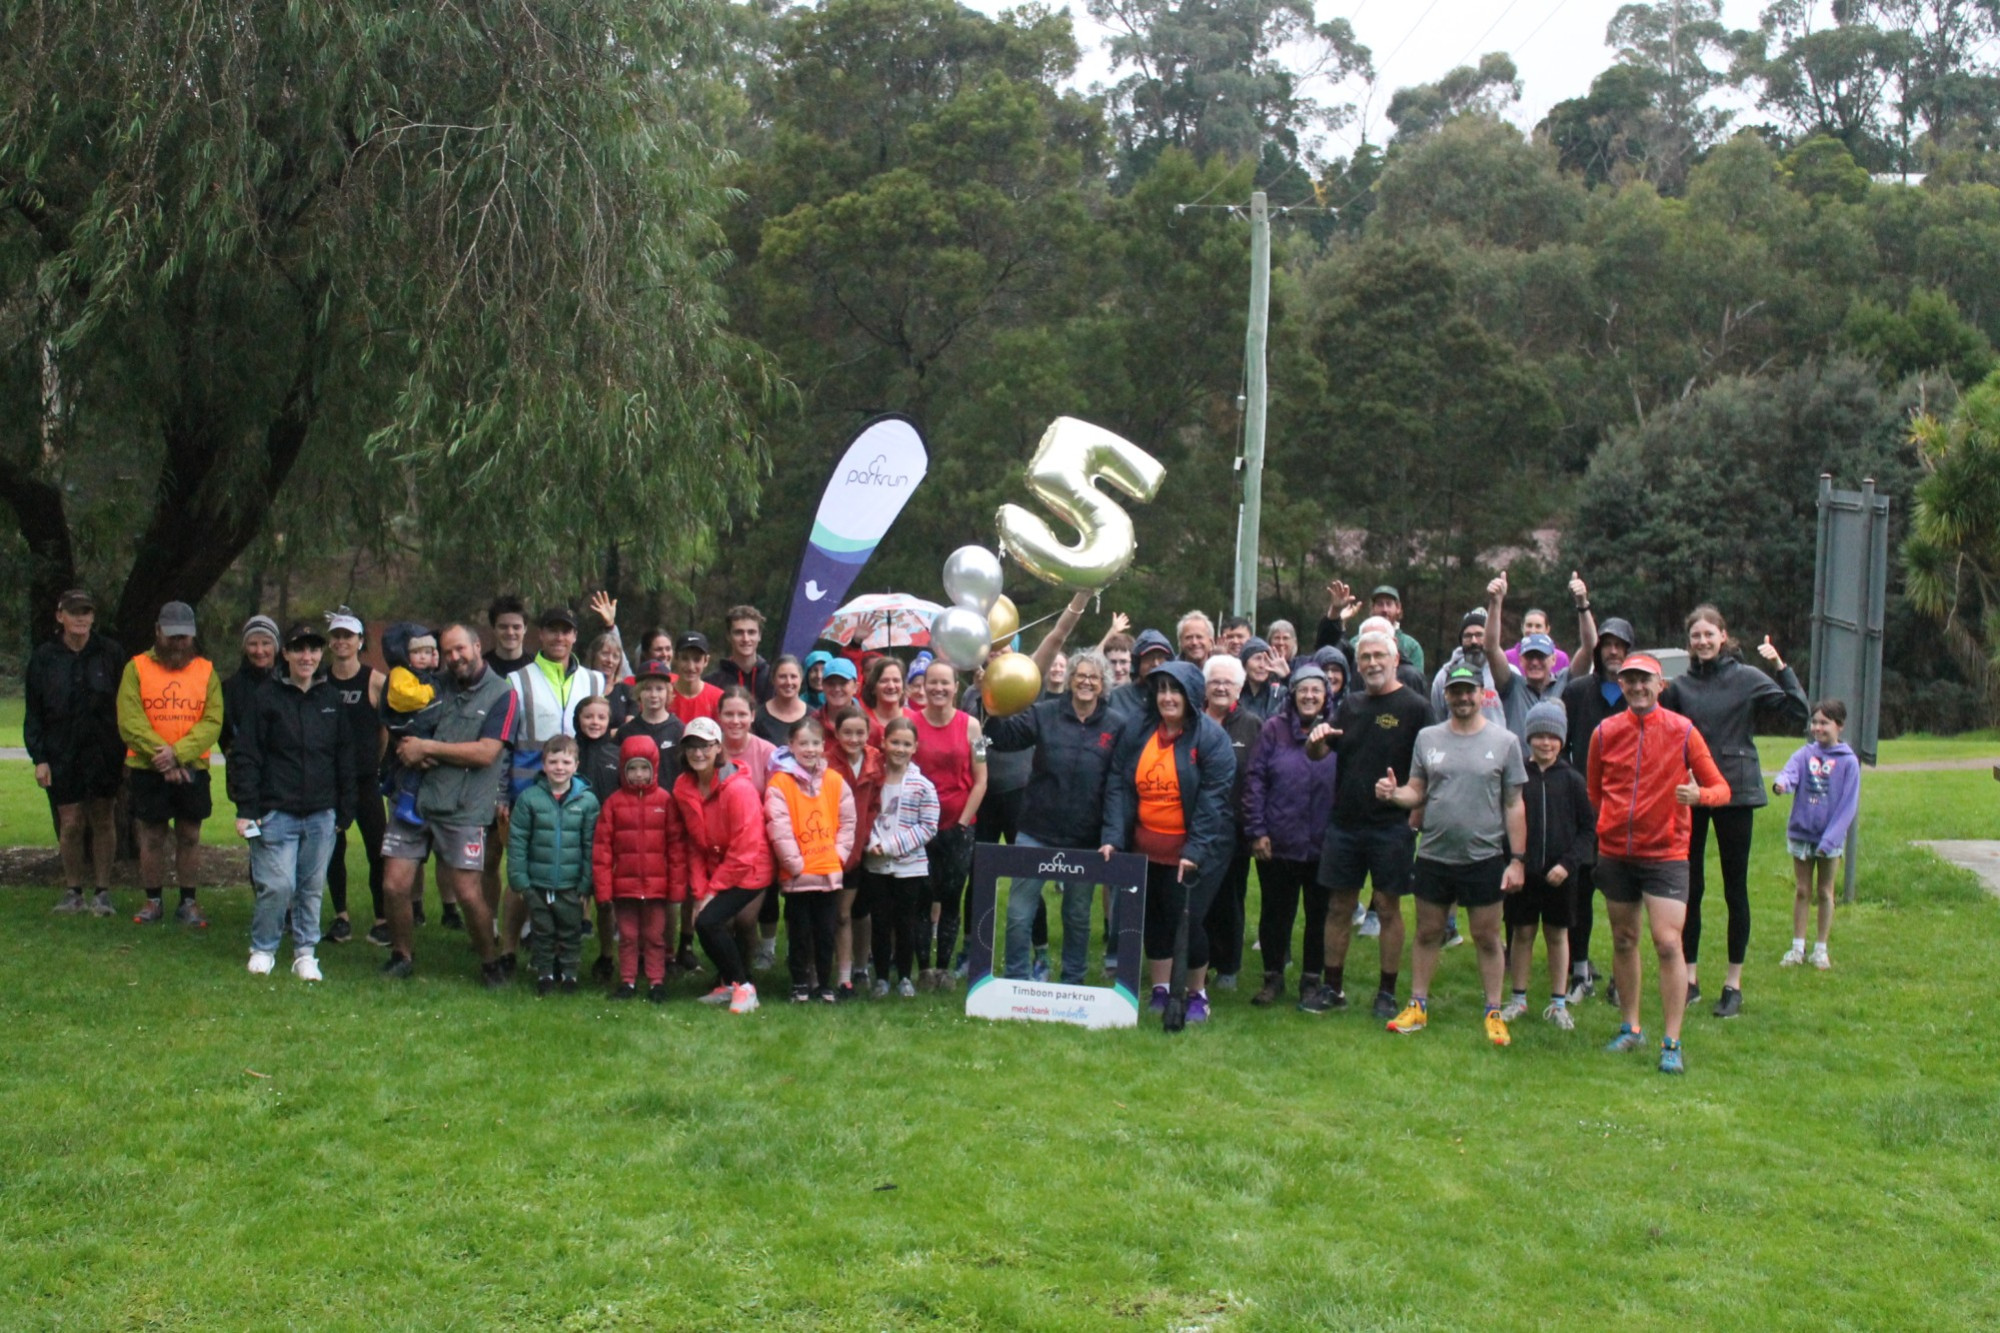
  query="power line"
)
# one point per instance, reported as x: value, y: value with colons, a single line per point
x: 1480, y: 40
x: 1411, y: 33
x: 1539, y: 26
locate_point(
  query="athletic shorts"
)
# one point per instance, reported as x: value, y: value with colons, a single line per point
x: 72, y: 783
x: 1467, y: 886
x: 1623, y: 881
x: 460, y: 846
x: 158, y: 801
x: 1537, y: 903
x: 1368, y: 853
x: 1809, y: 851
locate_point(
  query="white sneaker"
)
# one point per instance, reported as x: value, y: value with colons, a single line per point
x: 306, y: 968
x: 1513, y: 1009
x: 1792, y: 958
x: 1559, y: 1015
x: 261, y: 963
x: 766, y: 956
x: 881, y: 988
x: 907, y: 989
x: 1371, y: 925
x: 1820, y: 960
x: 744, y: 999
x: 1360, y: 914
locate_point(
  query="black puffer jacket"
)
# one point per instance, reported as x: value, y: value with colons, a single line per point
x: 1727, y: 702
x: 294, y: 752
x: 71, y: 722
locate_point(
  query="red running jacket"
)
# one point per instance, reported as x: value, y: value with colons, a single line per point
x: 727, y: 847
x: 1636, y: 761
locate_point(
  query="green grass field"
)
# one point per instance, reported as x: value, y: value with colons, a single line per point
x: 192, y: 1148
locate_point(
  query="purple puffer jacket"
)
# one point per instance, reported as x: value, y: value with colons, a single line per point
x: 1288, y: 798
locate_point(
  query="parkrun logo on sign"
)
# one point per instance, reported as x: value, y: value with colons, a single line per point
x: 1060, y: 865
x: 875, y: 476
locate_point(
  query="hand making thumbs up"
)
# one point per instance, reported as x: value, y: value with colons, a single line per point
x: 1385, y: 787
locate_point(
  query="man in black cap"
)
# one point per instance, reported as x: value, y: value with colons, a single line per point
x: 693, y: 697
x: 170, y: 714
x: 71, y: 731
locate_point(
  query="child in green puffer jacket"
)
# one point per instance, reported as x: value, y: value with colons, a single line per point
x: 548, y: 861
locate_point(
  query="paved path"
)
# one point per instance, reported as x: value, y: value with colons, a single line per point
x: 1981, y: 858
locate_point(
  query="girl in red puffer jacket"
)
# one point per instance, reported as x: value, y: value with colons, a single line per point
x: 640, y: 866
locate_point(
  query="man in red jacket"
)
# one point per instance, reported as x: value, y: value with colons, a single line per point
x: 1647, y: 767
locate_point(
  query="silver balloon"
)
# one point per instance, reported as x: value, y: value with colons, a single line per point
x: 972, y: 578
x: 960, y: 637
x: 1072, y: 456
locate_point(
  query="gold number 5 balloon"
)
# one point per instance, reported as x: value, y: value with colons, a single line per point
x: 1072, y: 456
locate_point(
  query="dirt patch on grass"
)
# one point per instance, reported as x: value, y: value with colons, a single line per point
x: 41, y: 868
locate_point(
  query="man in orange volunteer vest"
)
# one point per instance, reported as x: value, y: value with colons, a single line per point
x: 169, y: 714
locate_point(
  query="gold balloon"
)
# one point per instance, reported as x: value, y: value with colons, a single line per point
x: 1003, y: 622
x: 1072, y: 456
x: 1011, y: 683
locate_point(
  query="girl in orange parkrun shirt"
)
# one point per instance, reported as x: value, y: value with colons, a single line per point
x: 810, y: 811
x: 1172, y: 769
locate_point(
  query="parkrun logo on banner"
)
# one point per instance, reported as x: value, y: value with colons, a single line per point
x: 875, y: 476
x: 1060, y: 865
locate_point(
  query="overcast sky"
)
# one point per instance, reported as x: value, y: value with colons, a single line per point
x: 1558, y: 46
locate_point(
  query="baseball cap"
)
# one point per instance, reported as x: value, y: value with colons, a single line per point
x: 556, y: 615
x: 1463, y: 675
x: 918, y: 664
x: 76, y: 600
x: 692, y: 640
x: 650, y: 669
x: 1642, y: 662
x: 176, y: 618
x: 702, y: 729
x: 304, y: 632
x: 839, y: 669
x: 1539, y: 643
x: 1385, y: 590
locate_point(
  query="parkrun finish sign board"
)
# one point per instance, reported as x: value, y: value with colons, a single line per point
x: 1029, y: 868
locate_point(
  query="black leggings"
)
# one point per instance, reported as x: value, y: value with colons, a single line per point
x: 1280, y: 883
x: 950, y: 858
x: 370, y: 818
x: 811, y: 921
x: 1733, y: 826
x: 718, y: 936
x: 904, y: 919
x: 1166, y: 899
x: 1582, y: 884
x: 1224, y: 923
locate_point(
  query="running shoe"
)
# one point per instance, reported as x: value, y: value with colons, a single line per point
x: 399, y: 967
x: 495, y: 975
x: 1629, y: 1038
x: 827, y: 995
x: 71, y: 903
x: 154, y: 912
x: 449, y: 919
x: 1731, y: 1003
x: 1039, y: 971
x: 686, y: 961
x: 1559, y: 1015
x: 1321, y: 999
x: 261, y: 963
x: 1197, y: 1007
x: 417, y: 910
x: 656, y: 993
x: 101, y: 904
x: 722, y: 994
x: 1360, y: 914
x: 625, y: 990
x: 1385, y: 1005
x: 906, y: 988
x: 1158, y: 1004
x: 1111, y: 965
x: 1793, y: 957
x: 1371, y: 926
x: 378, y: 935
x: 1496, y: 1028
x: 1452, y: 938
x: 306, y: 967
x: 1611, y: 993
x: 507, y: 963
x: 1670, y: 1058
x: 1820, y: 960
x: 766, y: 956
x: 340, y: 932
x: 1694, y: 994
x: 880, y: 989
x: 1513, y: 1009
x: 544, y: 986
x: 1413, y: 1019
x: 601, y: 970
x: 843, y: 994
x: 1225, y: 981
x: 802, y: 994
x: 1271, y: 991
x: 744, y: 1000
x: 189, y: 914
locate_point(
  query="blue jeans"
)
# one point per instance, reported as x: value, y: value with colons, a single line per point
x: 1023, y: 897
x: 288, y: 871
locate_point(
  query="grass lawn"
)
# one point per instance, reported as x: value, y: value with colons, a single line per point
x: 191, y: 1148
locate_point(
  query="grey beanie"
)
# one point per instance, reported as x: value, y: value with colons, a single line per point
x: 1548, y: 718
x: 261, y: 625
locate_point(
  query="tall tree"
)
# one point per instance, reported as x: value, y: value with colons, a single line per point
x: 1678, y: 47
x: 1952, y: 553
x: 473, y: 246
x: 1486, y: 89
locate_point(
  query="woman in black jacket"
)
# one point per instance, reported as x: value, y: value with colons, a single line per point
x: 1172, y: 769
x: 260, y: 663
x: 292, y: 777
x: 1727, y: 702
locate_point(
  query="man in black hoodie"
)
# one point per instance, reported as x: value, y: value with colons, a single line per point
x: 70, y: 727
x: 1588, y: 698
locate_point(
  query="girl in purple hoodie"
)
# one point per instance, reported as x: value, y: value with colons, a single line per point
x: 1825, y: 778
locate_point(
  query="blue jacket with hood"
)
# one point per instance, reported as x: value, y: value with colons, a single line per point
x: 1204, y: 761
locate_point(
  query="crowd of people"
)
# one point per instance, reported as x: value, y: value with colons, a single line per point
x: 676, y: 799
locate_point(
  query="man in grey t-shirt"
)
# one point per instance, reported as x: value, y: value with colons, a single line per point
x: 1467, y: 774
